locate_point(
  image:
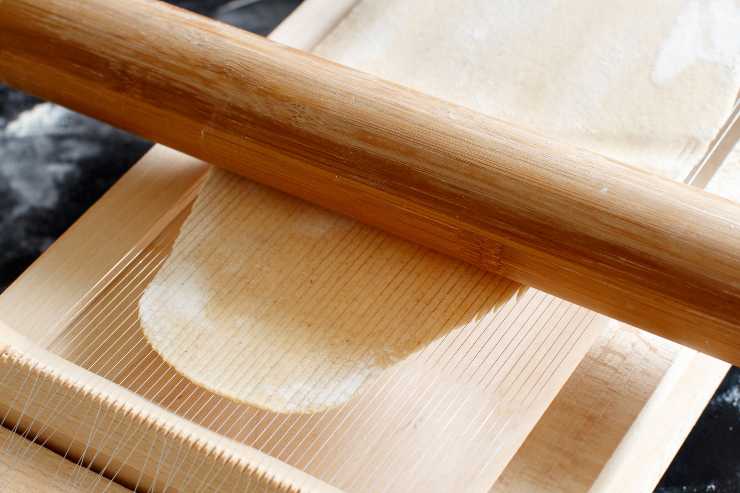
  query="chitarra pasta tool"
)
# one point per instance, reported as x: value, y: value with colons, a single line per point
x: 382, y: 285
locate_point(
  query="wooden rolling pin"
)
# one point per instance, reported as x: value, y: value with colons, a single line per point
x: 624, y: 242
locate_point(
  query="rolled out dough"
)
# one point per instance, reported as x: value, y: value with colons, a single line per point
x: 275, y: 303
x: 271, y: 301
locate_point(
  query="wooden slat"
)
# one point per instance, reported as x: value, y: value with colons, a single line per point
x: 578, y: 435
x: 123, y: 435
x: 656, y: 433
x: 30, y: 468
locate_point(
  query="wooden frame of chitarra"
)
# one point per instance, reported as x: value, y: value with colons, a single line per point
x: 633, y: 396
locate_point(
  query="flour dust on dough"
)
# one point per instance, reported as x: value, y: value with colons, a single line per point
x: 272, y: 302
x: 285, y: 306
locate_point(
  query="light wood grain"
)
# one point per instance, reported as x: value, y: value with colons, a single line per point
x: 29, y: 468
x: 631, y: 245
x: 597, y: 408
x: 655, y: 432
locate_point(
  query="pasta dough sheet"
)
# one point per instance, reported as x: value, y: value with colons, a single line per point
x: 272, y: 302
x: 268, y: 300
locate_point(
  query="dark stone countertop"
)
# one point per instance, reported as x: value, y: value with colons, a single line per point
x: 55, y: 163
